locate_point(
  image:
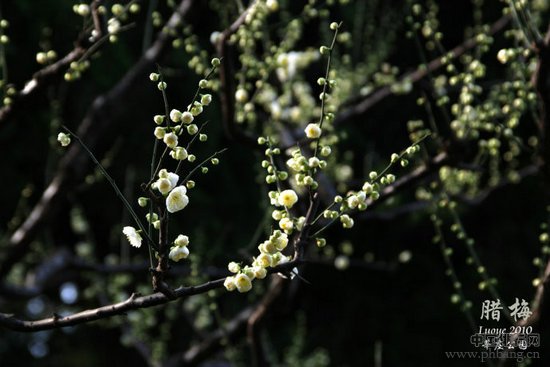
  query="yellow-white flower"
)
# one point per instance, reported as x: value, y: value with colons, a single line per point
x: 159, y: 132
x: 233, y: 267
x: 133, y: 236
x: 63, y: 139
x: 264, y: 260
x: 179, y: 153
x: 243, y: 283
x: 187, y: 117
x: 206, y: 99
x: 259, y: 272
x: 177, y: 200
x: 178, y: 252
x: 313, y: 131
x: 287, y: 198
x: 267, y: 247
x: 171, y: 140
x: 181, y: 240
x: 286, y: 224
x: 241, y: 95
x: 166, y: 182
x: 229, y: 283
x: 175, y: 115
x: 279, y: 239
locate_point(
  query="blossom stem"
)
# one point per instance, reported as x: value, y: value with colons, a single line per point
x: 325, y: 88
x: 114, y: 186
x: 201, y: 164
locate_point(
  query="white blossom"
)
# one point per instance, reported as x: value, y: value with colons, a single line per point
x: 171, y: 140
x: 181, y: 240
x: 177, y: 200
x: 287, y: 198
x: 133, y: 236
x: 243, y: 283
x: 313, y: 131
x: 178, y: 252
x: 63, y: 139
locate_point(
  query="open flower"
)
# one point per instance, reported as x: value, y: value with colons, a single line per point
x: 177, y: 200
x: 287, y: 198
x: 178, y: 252
x: 243, y: 283
x: 171, y: 140
x: 132, y: 235
x: 286, y: 224
x: 166, y: 182
x: 229, y: 283
x: 313, y: 131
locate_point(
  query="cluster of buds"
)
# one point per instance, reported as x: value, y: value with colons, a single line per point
x: 270, y: 256
x: 303, y: 167
x: 179, y: 249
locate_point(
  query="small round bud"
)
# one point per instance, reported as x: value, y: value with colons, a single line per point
x: 215, y: 62
x: 261, y: 140
x: 241, y: 95
x: 162, y: 86
x: 159, y: 119
x: 63, y: 139
x: 154, y: 77
x: 192, y: 129
x: 159, y: 132
x: 191, y: 158
x: 41, y: 58
x: 203, y: 137
x: 204, y: 169
x: 334, y: 26
x: 190, y: 184
x: 206, y: 99
x: 324, y: 50
x: 320, y: 242
x: 215, y: 161
x: 143, y: 201
x: 135, y: 8
x: 203, y: 83
x: 325, y: 151
x: 196, y: 110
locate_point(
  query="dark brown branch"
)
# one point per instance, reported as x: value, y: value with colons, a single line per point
x: 42, y: 78
x: 103, y: 115
x: 133, y: 303
x: 382, y: 93
x: 302, y: 239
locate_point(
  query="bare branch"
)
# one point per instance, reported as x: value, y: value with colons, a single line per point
x: 133, y: 303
